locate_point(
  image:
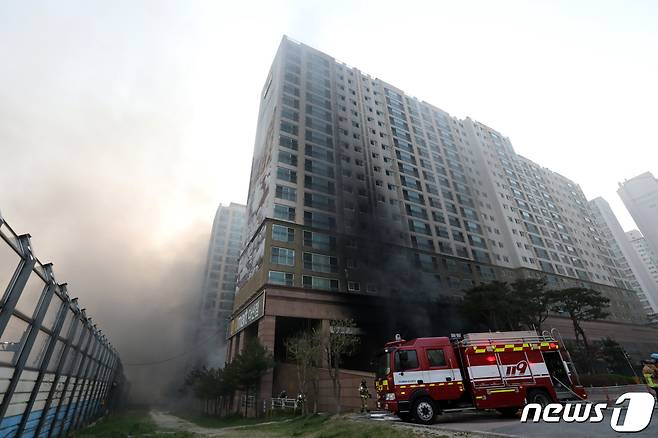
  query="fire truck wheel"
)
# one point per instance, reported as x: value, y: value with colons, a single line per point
x: 538, y: 396
x: 424, y: 410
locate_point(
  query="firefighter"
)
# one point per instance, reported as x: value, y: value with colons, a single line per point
x: 650, y: 374
x: 365, y: 395
x: 301, y: 401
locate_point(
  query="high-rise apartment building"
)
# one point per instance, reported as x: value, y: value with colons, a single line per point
x: 364, y: 200
x: 645, y: 252
x: 627, y: 259
x: 640, y: 195
x: 220, y: 274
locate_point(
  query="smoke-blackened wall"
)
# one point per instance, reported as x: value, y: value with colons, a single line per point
x: 408, y: 290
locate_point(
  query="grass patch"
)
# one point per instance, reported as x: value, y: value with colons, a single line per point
x: 127, y: 424
x: 321, y: 426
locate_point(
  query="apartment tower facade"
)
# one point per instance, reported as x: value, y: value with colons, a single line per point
x: 361, y: 196
x: 635, y: 271
x: 219, y: 280
x: 644, y: 252
x: 640, y: 196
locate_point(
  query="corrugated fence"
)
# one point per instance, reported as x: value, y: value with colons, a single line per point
x: 58, y: 372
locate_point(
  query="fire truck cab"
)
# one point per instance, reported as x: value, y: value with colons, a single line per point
x: 423, y: 377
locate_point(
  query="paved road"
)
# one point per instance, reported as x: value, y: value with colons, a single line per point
x: 492, y: 424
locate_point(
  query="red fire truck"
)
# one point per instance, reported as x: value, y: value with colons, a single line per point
x: 423, y: 377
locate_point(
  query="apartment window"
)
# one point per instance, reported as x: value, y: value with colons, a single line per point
x: 442, y: 231
x: 286, y: 174
x: 353, y: 286
x: 288, y: 127
x: 318, y: 112
x: 290, y: 101
x: 454, y: 221
x: 477, y: 241
x: 413, y: 196
x: 290, y: 89
x: 289, y: 114
x: 282, y: 278
x: 461, y: 251
x: 319, y: 152
x: 319, y: 184
x: 288, y: 142
x: 322, y: 283
x: 319, y: 167
x: 321, y: 139
x: 320, y: 263
x: 283, y: 234
x: 319, y: 220
x: 419, y: 227
x: 319, y: 241
x: 285, y: 192
x: 287, y: 158
x: 536, y: 240
x: 458, y: 236
x: 416, y: 211
x: 284, y: 212
x: 318, y: 125
x: 322, y: 202
x: 283, y: 256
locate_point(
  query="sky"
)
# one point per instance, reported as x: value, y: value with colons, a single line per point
x: 124, y: 124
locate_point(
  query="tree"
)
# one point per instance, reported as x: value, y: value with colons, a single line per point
x: 207, y: 385
x: 532, y: 301
x: 581, y: 304
x: 305, y: 349
x: 492, y: 305
x: 248, y: 367
x: 342, y: 342
x: 615, y: 357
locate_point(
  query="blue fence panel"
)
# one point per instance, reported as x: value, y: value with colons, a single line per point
x: 49, y: 349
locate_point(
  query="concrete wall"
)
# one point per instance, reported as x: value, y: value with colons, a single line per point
x: 286, y: 378
x: 638, y: 340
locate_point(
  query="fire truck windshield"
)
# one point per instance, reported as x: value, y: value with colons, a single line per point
x: 383, y: 365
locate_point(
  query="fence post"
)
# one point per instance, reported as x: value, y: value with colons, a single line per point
x: 61, y: 315
x: 89, y: 359
x: 81, y: 351
x: 18, y: 282
x: 73, y: 330
x: 44, y: 302
x: 97, y: 367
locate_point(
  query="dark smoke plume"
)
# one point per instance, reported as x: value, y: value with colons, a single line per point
x: 96, y: 189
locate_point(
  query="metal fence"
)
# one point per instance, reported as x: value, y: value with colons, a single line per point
x: 58, y: 372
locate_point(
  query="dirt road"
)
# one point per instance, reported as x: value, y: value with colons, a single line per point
x: 167, y: 421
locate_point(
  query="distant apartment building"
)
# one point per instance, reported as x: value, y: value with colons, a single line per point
x: 626, y: 257
x: 365, y: 202
x: 645, y: 252
x: 220, y: 277
x: 640, y: 195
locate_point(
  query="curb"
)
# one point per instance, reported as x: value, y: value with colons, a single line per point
x: 438, y: 428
